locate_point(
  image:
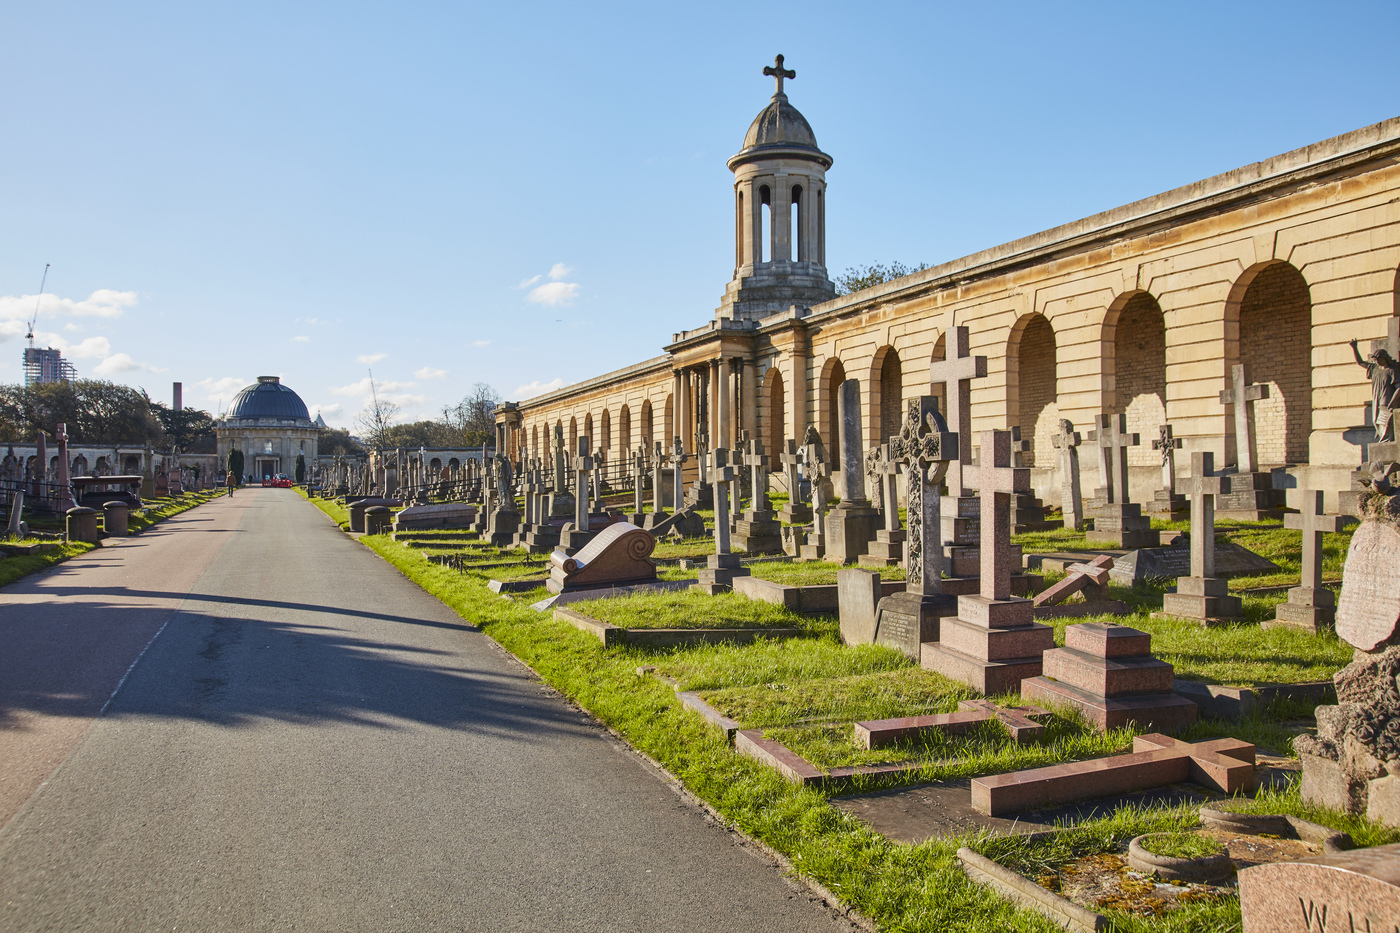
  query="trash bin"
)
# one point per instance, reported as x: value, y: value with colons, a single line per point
x: 82, y: 525
x: 379, y: 519
x: 114, y: 519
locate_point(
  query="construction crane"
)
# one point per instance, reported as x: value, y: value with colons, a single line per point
x: 37, y: 300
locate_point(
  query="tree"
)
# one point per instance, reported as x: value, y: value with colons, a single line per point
x: 235, y: 466
x: 96, y: 412
x: 189, y: 429
x: 300, y: 475
x: 856, y: 278
x: 474, y: 417
x: 376, y: 420
x: 332, y: 442
x: 426, y: 433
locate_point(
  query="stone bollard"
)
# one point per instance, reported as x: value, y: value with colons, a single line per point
x: 82, y: 525
x: 114, y: 519
x: 379, y: 519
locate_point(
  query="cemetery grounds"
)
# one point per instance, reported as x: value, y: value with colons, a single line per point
x: 807, y: 692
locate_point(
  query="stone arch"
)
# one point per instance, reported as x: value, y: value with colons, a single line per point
x: 939, y: 390
x: 828, y: 418
x: 588, y: 431
x: 774, y: 412
x: 454, y: 464
x: 886, y: 394
x: 1031, y: 394
x: 605, y: 432
x: 1268, y: 326
x: 80, y: 465
x: 103, y: 467
x: 130, y: 466
x: 1135, y: 369
x: 668, y: 428
x: 624, y: 431
x: 648, y: 428
x: 573, y: 435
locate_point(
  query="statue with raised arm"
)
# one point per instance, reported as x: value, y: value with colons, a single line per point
x: 1384, y: 373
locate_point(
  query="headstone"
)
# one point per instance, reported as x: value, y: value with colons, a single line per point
x: 887, y: 550
x: 1118, y: 522
x: 850, y: 526
x: 1345, y: 892
x: 677, y: 460
x: 505, y: 518
x: 1251, y: 495
x: 1027, y: 511
x: 619, y: 555
x: 1109, y: 674
x: 959, y: 509
x: 858, y: 595
x: 722, y: 566
x: 1167, y: 501
x: 427, y: 517
x: 1203, y: 597
x: 17, y: 528
x: 797, y: 511
x: 1222, y: 765
x: 1090, y: 580
x: 757, y: 532
x: 1310, y: 605
x: 993, y: 643
x: 577, y: 534
x: 818, y: 472
x: 659, y: 488
x: 639, y: 472
x: 1067, y: 442
x: 63, y: 500
x: 924, y: 447
x: 1021, y: 721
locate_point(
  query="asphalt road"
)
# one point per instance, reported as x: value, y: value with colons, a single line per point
x: 310, y: 742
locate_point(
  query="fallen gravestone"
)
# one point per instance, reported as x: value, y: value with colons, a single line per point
x: 1090, y: 580
x: 1158, y: 563
x: 619, y: 555
x: 1020, y: 721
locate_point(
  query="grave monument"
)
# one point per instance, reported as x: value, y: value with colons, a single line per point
x: 1066, y: 443
x: 1310, y: 605
x: 1118, y: 522
x: 1203, y: 597
x: 851, y: 525
x: 722, y: 566
x: 756, y: 532
x: 1252, y: 495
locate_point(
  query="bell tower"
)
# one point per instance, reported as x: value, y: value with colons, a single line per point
x: 779, y: 213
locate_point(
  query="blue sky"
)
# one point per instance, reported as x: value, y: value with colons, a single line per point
x: 310, y: 190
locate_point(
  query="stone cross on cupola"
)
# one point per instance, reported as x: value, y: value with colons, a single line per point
x: 777, y: 72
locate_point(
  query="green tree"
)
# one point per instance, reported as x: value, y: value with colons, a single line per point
x: 235, y: 466
x: 858, y: 277
x: 474, y: 417
x: 332, y: 442
x: 189, y: 429
x: 300, y: 476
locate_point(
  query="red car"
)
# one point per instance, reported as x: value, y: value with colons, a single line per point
x: 280, y: 481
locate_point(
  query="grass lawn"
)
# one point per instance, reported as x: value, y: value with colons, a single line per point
x: 811, y: 573
x: 807, y: 691
x: 689, y: 609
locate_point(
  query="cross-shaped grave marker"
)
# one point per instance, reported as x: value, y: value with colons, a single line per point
x: 1202, y: 596
x: 658, y: 464
x: 1020, y: 449
x: 997, y: 481
x: 958, y: 371
x: 598, y: 466
x: 757, y: 462
x: 677, y: 459
x: 818, y: 473
x: 1168, y: 444
x: 583, y: 467
x: 639, y: 472
x: 723, y: 474
x: 1091, y: 579
x: 1310, y: 605
x: 1020, y: 721
x: 796, y: 510
x: 886, y: 469
x: 1242, y: 396
x: 1113, y: 440
x: 924, y: 446
x: 1223, y: 765
x: 1067, y: 442
x: 778, y: 73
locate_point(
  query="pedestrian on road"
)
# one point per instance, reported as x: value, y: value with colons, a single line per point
x: 232, y: 483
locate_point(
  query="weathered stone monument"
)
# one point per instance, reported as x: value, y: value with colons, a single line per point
x: 1088, y: 579
x: 797, y: 511
x: 1118, y: 522
x: 756, y: 532
x: 639, y: 473
x: 1109, y: 674
x: 1203, y: 597
x: 1252, y: 495
x: 658, y: 489
x: 1066, y: 443
x: 722, y: 566
x: 1167, y: 501
x: 576, y: 534
x: 506, y: 518
x: 619, y: 555
x: 887, y: 550
x: 1337, y: 892
x: 993, y: 643
x: 818, y: 470
x: 1310, y: 605
x: 851, y: 525
x: 1027, y: 511
x: 1353, y: 763
x: 959, y: 509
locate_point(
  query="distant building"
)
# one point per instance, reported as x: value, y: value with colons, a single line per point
x: 270, y: 424
x: 45, y: 364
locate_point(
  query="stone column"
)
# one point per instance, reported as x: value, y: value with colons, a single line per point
x: 724, y: 403
x: 679, y: 389
x: 713, y: 399
x: 748, y: 381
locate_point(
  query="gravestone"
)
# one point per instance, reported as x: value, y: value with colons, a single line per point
x: 797, y: 511
x: 425, y: 517
x: 1022, y: 722
x: 924, y: 447
x: 619, y: 555
x: 659, y: 489
x: 722, y: 566
x: 1118, y: 522
x: 959, y: 509
x: 1310, y: 605
x: 1066, y: 443
x: 850, y: 526
x: 1167, y: 501
x: 1091, y: 581
x: 505, y: 518
x: 1353, y: 762
x: 576, y: 534
x: 756, y: 532
x: 1251, y: 495
x: 1109, y: 674
x: 677, y: 460
x: 818, y: 470
x: 858, y: 595
x: 1027, y: 511
x: 639, y: 472
x: 993, y: 643
x: 887, y: 550
x: 1222, y: 765
x: 1203, y: 597
x: 1345, y: 892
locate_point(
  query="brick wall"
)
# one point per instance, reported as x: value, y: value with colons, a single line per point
x: 774, y: 416
x: 1276, y: 348
x: 1140, y: 368
x: 1036, y: 379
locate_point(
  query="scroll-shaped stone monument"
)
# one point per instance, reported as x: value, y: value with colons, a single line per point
x: 619, y: 555
x: 1353, y: 763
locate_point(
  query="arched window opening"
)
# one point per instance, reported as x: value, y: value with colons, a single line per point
x: 799, y: 243
x: 765, y: 229
x: 831, y: 436
x: 891, y: 396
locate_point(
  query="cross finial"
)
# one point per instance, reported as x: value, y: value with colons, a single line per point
x: 778, y: 73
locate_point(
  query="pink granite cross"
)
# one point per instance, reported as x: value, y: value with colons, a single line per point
x: 1020, y: 721
x: 997, y: 480
x: 1079, y: 577
x: 1223, y: 765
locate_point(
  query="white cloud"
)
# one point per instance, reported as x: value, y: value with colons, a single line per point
x: 371, y: 358
x: 427, y: 372
x: 313, y: 321
x: 74, y: 328
x: 219, y: 388
x: 361, y: 389
x: 302, y: 339
x: 531, y: 389
x: 119, y: 363
x: 481, y: 343
x: 98, y: 348
x: 405, y: 400
x: 333, y: 410
x: 554, y: 294
x: 104, y: 302
x: 526, y: 283
x: 558, y: 271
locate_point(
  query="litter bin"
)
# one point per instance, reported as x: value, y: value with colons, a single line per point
x: 379, y: 519
x: 114, y: 519
x: 82, y: 525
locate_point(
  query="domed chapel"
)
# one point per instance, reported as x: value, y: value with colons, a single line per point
x: 270, y: 424
x: 1145, y: 311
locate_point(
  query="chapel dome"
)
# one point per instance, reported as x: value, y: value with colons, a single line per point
x: 780, y: 124
x: 267, y: 398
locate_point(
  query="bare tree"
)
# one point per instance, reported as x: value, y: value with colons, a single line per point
x: 376, y: 420
x: 475, y: 415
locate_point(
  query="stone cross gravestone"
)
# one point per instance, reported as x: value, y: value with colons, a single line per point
x: 1202, y: 596
x: 1118, y: 522
x: 1020, y: 721
x: 851, y: 525
x: 639, y: 472
x: 677, y: 460
x: 1310, y: 605
x: 1240, y: 398
x: 1027, y: 511
x: 1167, y: 500
x: 578, y: 535
x: 757, y: 532
x: 887, y: 550
x: 1252, y: 494
x: 958, y: 370
x: 818, y: 471
x: 722, y: 566
x: 797, y: 511
x: 1066, y: 442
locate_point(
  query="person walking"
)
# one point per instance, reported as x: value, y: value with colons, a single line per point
x: 232, y: 482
